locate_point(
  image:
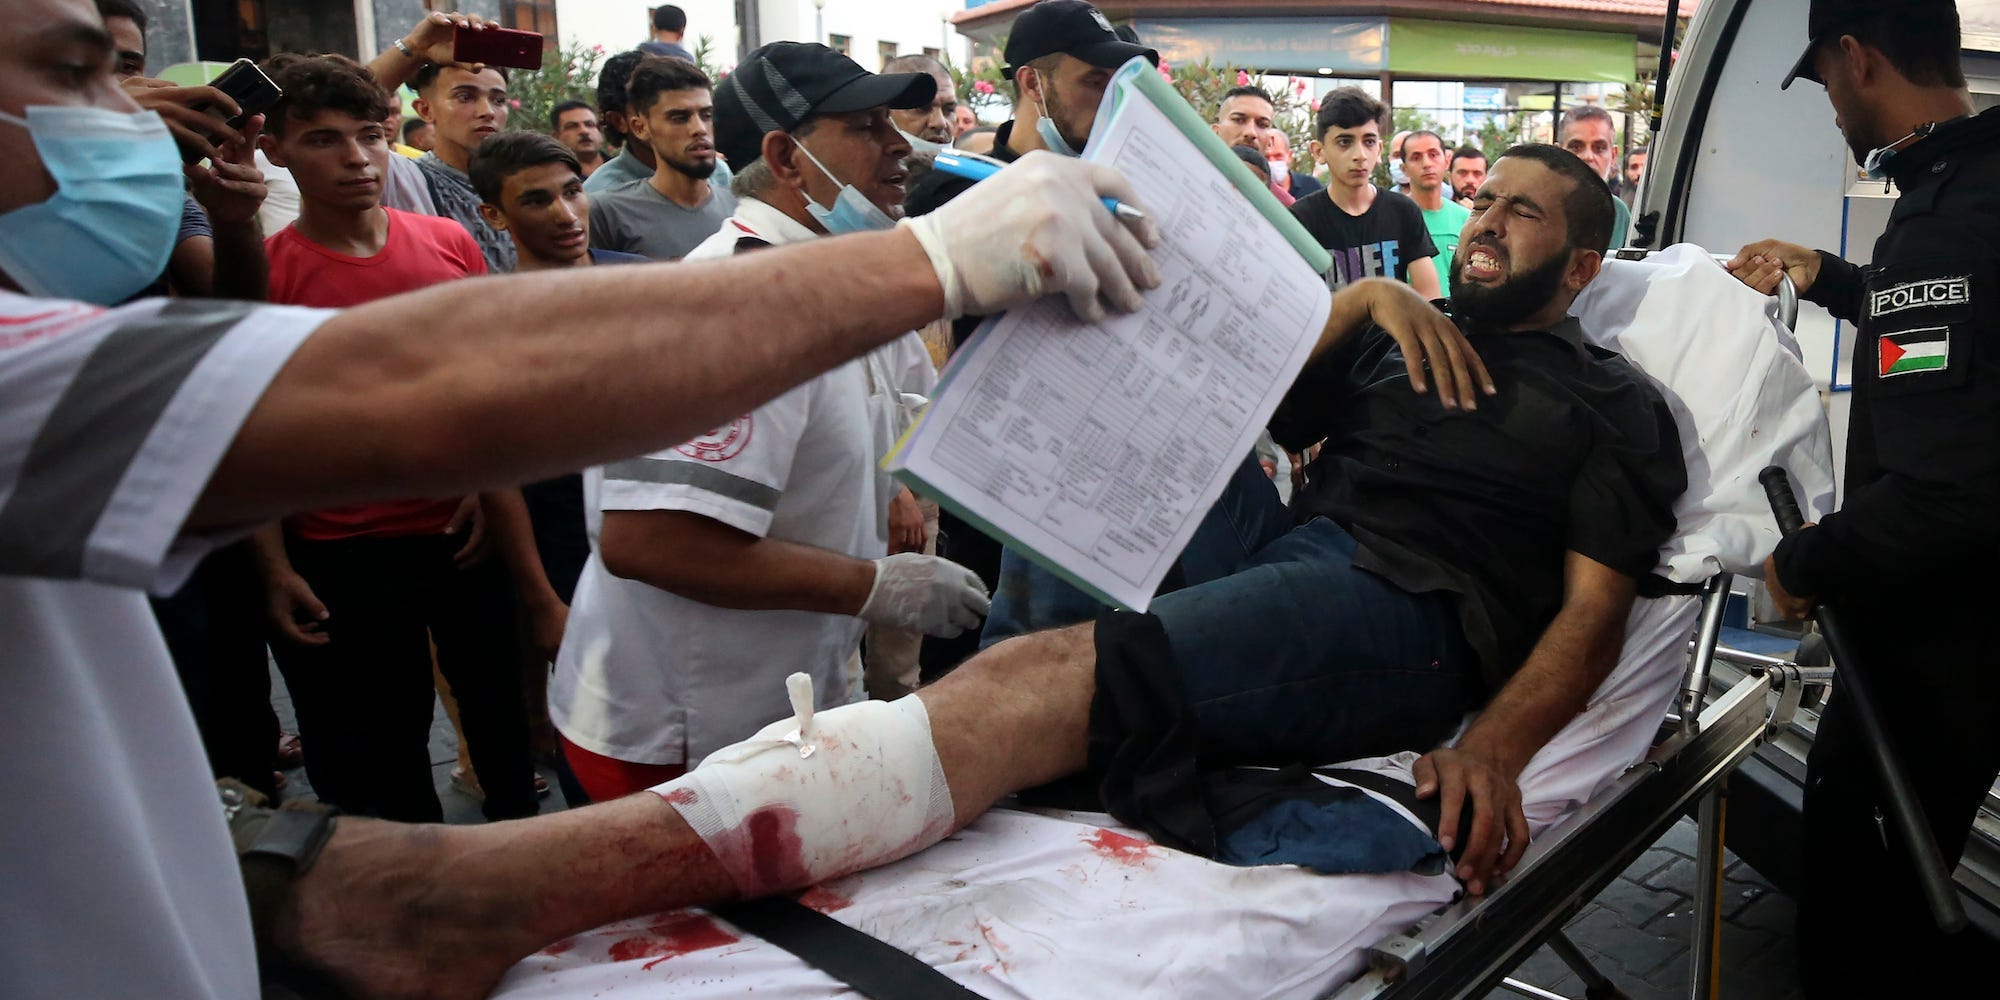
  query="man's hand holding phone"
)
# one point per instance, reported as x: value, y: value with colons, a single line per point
x: 195, y: 115
x: 435, y: 38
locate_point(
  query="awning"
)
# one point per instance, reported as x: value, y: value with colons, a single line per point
x: 1455, y: 50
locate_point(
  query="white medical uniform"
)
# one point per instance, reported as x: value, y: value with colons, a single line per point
x: 117, y: 878
x: 650, y: 677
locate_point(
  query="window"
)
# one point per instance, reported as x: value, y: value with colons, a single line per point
x: 841, y: 44
x: 886, y: 50
x: 538, y: 16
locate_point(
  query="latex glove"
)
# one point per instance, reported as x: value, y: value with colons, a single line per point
x: 932, y: 595
x: 1039, y: 228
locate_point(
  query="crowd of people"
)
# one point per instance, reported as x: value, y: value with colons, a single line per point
x: 767, y: 545
x: 629, y: 617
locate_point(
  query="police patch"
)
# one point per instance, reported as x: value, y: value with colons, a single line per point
x: 1913, y: 351
x: 1920, y: 294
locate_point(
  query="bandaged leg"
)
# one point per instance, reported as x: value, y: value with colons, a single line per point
x: 818, y: 796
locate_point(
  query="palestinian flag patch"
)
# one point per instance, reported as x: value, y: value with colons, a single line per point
x: 1912, y: 351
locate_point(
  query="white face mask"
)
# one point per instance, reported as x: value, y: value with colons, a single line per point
x: 920, y: 145
x: 852, y: 212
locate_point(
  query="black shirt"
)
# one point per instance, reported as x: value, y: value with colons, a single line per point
x: 1380, y: 242
x: 1917, y: 528
x: 1576, y: 452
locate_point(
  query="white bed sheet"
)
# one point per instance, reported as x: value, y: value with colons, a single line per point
x: 1060, y: 905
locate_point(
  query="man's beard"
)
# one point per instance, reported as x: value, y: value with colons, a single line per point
x: 1052, y: 102
x: 1512, y: 300
x: 700, y: 170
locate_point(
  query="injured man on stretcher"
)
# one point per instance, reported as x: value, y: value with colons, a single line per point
x: 1490, y: 492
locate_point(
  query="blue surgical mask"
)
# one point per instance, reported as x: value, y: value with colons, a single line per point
x: 108, y: 230
x: 852, y: 212
x: 1876, y: 163
x: 1051, y: 136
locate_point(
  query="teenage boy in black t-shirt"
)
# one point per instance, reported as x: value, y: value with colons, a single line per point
x: 1371, y: 232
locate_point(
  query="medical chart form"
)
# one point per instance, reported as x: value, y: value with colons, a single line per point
x: 1098, y: 448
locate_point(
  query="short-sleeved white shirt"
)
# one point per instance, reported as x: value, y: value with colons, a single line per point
x: 678, y: 679
x: 118, y: 873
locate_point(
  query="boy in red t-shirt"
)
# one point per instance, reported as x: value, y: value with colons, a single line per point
x: 357, y: 594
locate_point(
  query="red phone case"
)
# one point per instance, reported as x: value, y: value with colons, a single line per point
x: 498, y: 47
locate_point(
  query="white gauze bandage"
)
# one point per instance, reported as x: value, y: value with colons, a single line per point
x: 815, y: 797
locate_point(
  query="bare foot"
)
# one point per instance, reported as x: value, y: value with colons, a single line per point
x: 397, y: 910
x: 384, y: 914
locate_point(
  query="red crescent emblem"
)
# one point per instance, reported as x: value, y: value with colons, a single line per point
x: 721, y: 444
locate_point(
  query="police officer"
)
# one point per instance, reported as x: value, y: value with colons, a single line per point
x: 1909, y: 556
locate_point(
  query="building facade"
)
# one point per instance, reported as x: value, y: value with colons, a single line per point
x: 870, y: 31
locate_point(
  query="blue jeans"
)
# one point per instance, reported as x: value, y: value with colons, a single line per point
x: 1244, y: 519
x: 1284, y: 649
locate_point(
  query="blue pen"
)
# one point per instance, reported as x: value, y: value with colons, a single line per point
x: 975, y: 168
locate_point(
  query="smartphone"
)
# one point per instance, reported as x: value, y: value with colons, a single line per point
x: 247, y: 85
x: 498, y: 47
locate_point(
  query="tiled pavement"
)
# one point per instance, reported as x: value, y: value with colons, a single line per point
x: 1636, y: 931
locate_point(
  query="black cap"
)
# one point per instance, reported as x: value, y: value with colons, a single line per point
x: 784, y: 83
x: 1073, y: 28
x: 1831, y: 18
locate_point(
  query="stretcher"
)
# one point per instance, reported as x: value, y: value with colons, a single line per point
x: 1043, y: 903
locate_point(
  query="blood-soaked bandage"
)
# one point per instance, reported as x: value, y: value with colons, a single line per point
x: 818, y: 796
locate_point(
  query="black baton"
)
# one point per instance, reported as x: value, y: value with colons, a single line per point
x: 1905, y: 812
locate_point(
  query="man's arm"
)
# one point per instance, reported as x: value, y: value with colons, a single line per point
x: 1424, y: 278
x: 703, y: 559
x: 430, y: 41
x: 1429, y: 340
x: 295, y: 611
x: 514, y: 535
x: 1425, y: 335
x: 619, y: 361
x: 1819, y: 277
x: 1574, y: 655
x: 231, y: 190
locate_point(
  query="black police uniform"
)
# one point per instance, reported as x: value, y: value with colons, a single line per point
x: 1909, y: 558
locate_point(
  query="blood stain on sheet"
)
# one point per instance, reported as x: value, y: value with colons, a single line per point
x: 1000, y: 949
x: 681, y: 796
x: 560, y: 946
x: 1119, y: 847
x: 824, y: 900
x: 670, y: 936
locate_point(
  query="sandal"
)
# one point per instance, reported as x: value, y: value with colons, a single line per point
x: 274, y: 847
